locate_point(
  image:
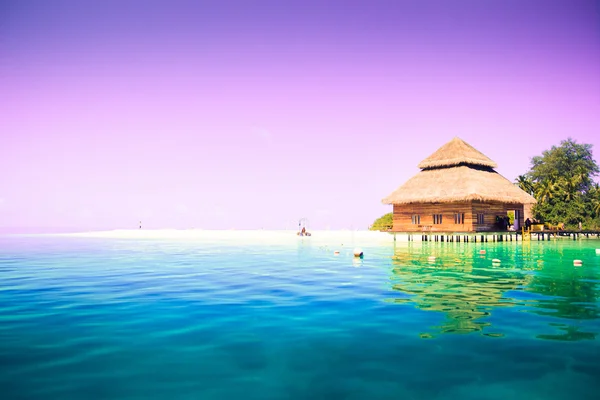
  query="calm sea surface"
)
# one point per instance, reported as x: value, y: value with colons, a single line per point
x: 90, y: 318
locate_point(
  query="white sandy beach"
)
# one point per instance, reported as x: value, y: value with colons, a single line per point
x: 324, y: 237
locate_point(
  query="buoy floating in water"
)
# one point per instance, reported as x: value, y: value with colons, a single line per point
x: 496, y: 261
x: 358, y: 252
x: 481, y: 251
x: 577, y: 262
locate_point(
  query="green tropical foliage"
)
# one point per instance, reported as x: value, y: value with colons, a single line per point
x: 562, y: 181
x: 383, y: 223
x: 525, y: 183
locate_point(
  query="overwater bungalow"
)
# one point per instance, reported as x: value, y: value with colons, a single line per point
x: 457, y: 190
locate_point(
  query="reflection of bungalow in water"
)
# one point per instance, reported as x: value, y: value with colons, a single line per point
x: 457, y: 190
x: 464, y: 296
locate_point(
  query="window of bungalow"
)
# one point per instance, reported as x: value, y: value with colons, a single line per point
x: 437, y: 219
x: 416, y: 219
x: 459, y: 218
x: 480, y: 219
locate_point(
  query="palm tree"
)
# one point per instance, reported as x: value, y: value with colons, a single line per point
x: 525, y: 183
x: 567, y: 187
x: 594, y: 194
x: 545, y: 191
x: 596, y: 209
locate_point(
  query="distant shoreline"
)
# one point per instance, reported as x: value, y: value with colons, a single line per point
x: 174, y: 233
x: 247, y: 236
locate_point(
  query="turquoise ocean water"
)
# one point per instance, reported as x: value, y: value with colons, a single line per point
x: 109, y: 318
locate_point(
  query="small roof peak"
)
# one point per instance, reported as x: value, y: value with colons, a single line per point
x: 456, y: 152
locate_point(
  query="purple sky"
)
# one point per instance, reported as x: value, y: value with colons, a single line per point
x: 222, y: 114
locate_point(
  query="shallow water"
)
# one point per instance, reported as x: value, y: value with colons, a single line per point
x: 217, y: 319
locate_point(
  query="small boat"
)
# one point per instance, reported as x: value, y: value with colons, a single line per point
x: 302, y: 227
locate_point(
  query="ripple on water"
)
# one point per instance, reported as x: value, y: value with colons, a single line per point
x: 218, y: 319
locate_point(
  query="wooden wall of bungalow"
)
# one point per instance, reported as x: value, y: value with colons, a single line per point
x: 455, y: 217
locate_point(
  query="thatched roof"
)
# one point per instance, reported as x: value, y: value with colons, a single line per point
x: 455, y: 180
x: 455, y: 152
